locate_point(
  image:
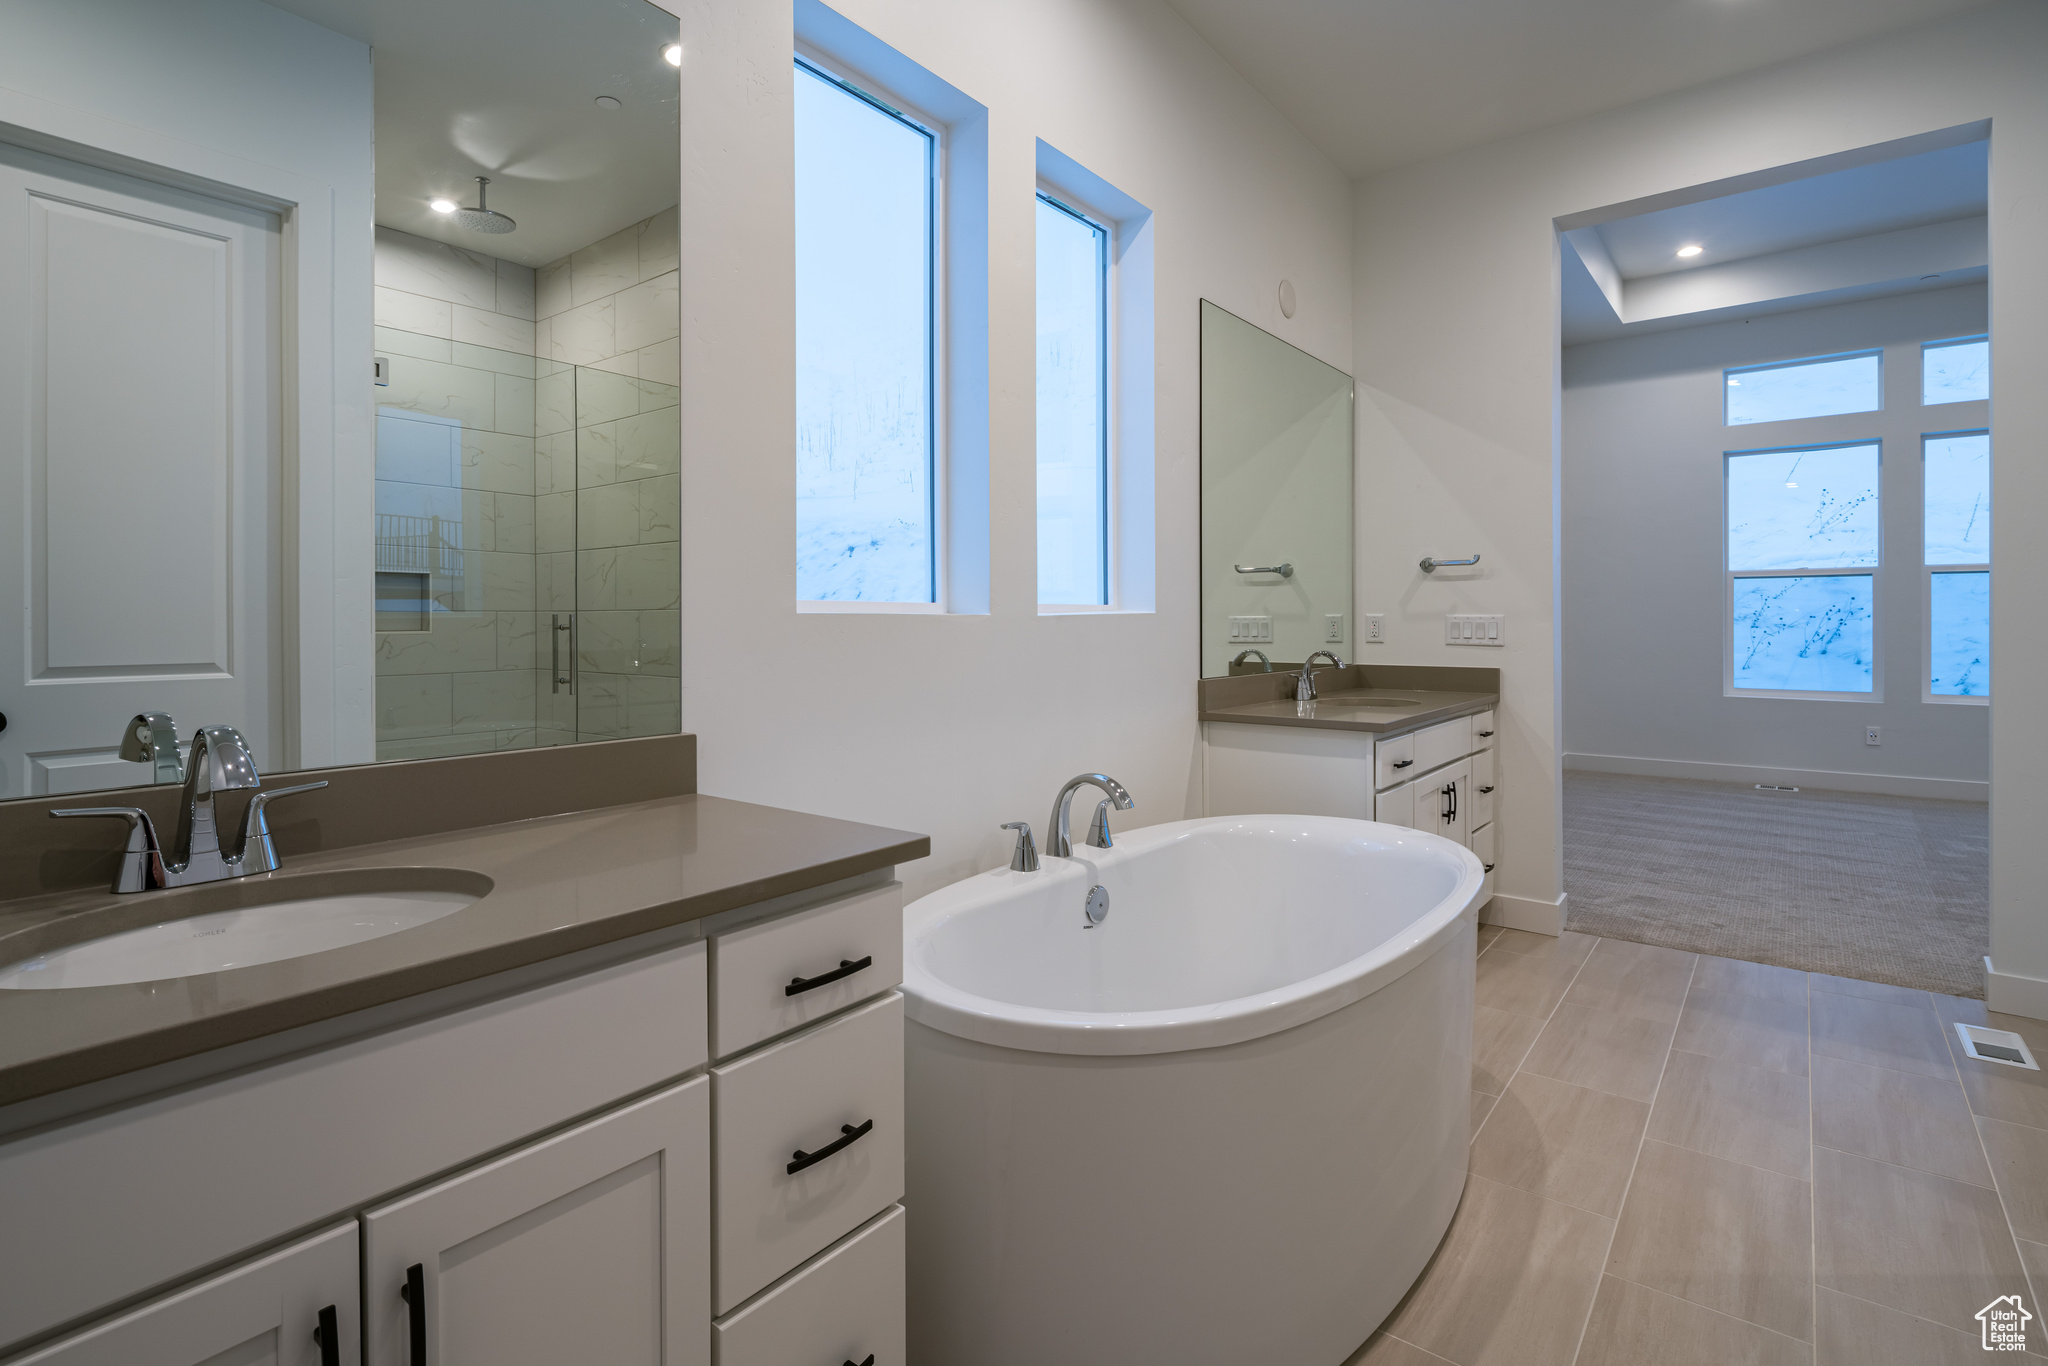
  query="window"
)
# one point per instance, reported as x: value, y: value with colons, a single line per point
x: 866, y: 392
x: 1816, y: 387
x: 1956, y: 550
x: 1955, y: 371
x: 1803, y: 545
x: 1073, y: 407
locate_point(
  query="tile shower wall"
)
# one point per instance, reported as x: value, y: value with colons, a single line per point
x: 455, y: 500
x: 608, y: 486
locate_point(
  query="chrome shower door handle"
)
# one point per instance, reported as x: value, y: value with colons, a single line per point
x: 557, y: 680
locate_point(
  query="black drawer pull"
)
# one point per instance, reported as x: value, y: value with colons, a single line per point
x: 1486, y: 735
x: 847, y: 1134
x: 328, y: 1335
x: 847, y: 967
x: 1403, y: 763
x: 1487, y: 788
x: 869, y: 1362
x: 415, y: 1293
x: 1489, y: 867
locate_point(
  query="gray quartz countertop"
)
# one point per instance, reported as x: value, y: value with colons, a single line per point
x: 557, y: 885
x: 1378, y: 710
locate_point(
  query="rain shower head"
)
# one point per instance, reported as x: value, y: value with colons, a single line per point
x: 481, y: 219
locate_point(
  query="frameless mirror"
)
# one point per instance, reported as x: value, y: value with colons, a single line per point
x: 340, y: 348
x: 1276, y: 500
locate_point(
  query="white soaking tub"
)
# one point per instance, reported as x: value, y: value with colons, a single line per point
x: 1226, y: 1125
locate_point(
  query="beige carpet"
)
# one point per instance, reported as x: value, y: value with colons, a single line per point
x: 1888, y: 889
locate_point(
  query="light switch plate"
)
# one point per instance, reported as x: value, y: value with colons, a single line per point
x: 1471, y: 628
x: 1251, y: 630
x: 1375, y: 629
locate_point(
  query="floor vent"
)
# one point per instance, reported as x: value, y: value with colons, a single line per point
x: 1996, y: 1045
x: 1774, y: 787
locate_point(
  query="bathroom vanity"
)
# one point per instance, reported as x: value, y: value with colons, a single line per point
x: 641, y: 1101
x: 1409, y: 746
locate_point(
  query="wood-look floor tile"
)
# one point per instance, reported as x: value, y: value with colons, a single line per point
x: 1633, y: 1325
x: 1871, y: 991
x: 1739, y: 1027
x: 1385, y: 1351
x: 2013, y: 1094
x: 1521, y: 983
x: 2034, y: 1256
x: 1853, y: 1332
x: 1634, y: 979
x: 1750, y: 979
x: 1880, y: 1034
x: 1569, y: 947
x: 2019, y: 1160
x: 1732, y: 1110
x: 1487, y: 934
x: 1601, y: 1050
x: 1511, y: 1283
x: 1728, y: 1237
x: 1500, y: 1040
x: 1897, y: 1117
x: 1482, y: 1106
x: 1562, y: 1141
x: 1928, y: 1245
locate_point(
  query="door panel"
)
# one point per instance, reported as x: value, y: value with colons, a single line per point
x: 261, y: 1313
x: 143, y: 433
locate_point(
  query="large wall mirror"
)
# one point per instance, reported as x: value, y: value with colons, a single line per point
x: 339, y: 377
x: 1276, y: 501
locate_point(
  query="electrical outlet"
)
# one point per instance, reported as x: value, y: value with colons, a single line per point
x: 1333, y: 628
x: 1471, y: 628
x: 1375, y: 629
x: 1872, y: 735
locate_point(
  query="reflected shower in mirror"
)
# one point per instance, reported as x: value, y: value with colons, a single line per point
x: 1276, y: 500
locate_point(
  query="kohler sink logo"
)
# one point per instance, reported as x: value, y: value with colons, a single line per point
x: 2005, y: 1322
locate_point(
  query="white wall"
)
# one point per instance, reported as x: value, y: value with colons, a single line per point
x: 1457, y: 360
x: 1644, y: 612
x: 952, y: 724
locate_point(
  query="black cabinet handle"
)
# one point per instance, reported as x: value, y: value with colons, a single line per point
x: 847, y: 1134
x: 328, y: 1334
x: 1486, y: 735
x: 847, y: 967
x: 1403, y: 763
x: 869, y: 1362
x: 415, y: 1292
x: 1486, y: 789
x: 1489, y: 867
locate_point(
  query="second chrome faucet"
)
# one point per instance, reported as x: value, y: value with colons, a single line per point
x: 1058, y: 844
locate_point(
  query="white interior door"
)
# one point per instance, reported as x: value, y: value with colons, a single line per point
x: 140, y: 436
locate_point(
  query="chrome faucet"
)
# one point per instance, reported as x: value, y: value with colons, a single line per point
x: 1260, y: 653
x: 1057, y: 843
x: 1305, y: 684
x: 220, y: 762
x: 1024, y: 858
x: 152, y: 738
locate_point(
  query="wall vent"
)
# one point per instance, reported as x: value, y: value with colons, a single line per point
x: 1996, y: 1045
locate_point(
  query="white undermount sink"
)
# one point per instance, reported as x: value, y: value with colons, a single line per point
x: 239, y: 937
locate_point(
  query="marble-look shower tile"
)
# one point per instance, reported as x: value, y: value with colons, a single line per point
x: 493, y: 701
x: 608, y: 642
x: 554, y: 403
x: 512, y: 523
x: 600, y: 707
x: 646, y: 313
x: 437, y: 746
x: 518, y: 641
x: 626, y: 363
x: 413, y: 313
x: 605, y: 397
x: 506, y: 581
x: 655, y: 395
x: 438, y: 271
x: 411, y: 705
x: 554, y: 522
x: 551, y: 288
x: 497, y: 461
x: 419, y: 450
x: 661, y: 649
x: 515, y: 289
x: 597, y: 578
x: 650, y: 576
x: 544, y: 339
x: 607, y: 515
x: 454, y: 391
x: 649, y: 444
x: 454, y: 641
x: 582, y: 335
x: 658, y: 237
x: 597, y: 455
x: 554, y: 582
x: 391, y: 342
x: 605, y: 266
x: 662, y: 362
x: 660, y: 507
x: 480, y: 327
x: 554, y: 463
x: 491, y: 359
x: 515, y: 398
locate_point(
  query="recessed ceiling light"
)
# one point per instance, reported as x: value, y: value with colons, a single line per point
x: 1691, y: 249
x: 442, y: 205
x: 673, y: 54
x: 607, y: 102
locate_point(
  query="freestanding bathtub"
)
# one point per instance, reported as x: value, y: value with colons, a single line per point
x: 1226, y: 1125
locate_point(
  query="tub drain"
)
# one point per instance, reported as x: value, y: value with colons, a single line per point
x: 1097, y: 909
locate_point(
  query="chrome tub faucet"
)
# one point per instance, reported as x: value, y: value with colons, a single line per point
x: 1057, y: 843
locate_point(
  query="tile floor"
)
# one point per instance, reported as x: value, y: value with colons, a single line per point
x: 1682, y: 1160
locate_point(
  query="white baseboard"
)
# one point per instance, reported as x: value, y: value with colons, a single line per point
x: 2008, y: 993
x: 1525, y: 913
x: 1885, y: 784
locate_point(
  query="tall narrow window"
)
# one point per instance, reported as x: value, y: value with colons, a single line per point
x: 1073, y: 407
x: 1956, y: 541
x: 1802, y: 547
x: 1817, y: 387
x: 1955, y: 371
x: 866, y: 429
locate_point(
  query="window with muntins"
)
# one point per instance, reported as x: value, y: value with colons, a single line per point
x: 1956, y: 551
x: 1073, y: 407
x: 867, y: 466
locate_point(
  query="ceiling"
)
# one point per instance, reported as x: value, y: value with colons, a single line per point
x: 1886, y: 227
x: 508, y: 89
x: 1380, y: 83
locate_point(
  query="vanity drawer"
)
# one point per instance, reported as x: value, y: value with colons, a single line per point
x: 1483, y: 731
x: 1394, y: 761
x: 1485, y: 768
x: 1483, y: 845
x: 1395, y: 806
x: 801, y: 1095
x: 846, y: 1306
x: 1439, y: 744
x: 753, y: 969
